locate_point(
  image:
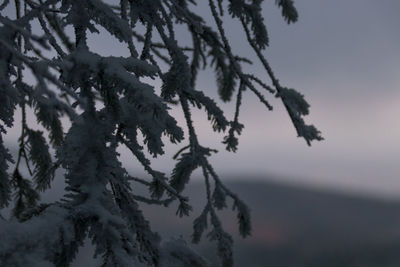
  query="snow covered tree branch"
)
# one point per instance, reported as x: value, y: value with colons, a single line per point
x: 108, y: 100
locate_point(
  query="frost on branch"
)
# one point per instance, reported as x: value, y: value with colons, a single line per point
x: 298, y: 107
x: 110, y: 103
x: 39, y: 155
x: 5, y: 188
x: 289, y: 12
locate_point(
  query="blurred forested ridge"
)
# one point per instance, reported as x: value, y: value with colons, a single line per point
x: 293, y: 226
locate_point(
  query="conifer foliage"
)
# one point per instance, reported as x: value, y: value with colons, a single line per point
x: 109, y: 103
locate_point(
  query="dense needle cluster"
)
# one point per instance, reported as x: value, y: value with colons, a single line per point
x: 109, y: 101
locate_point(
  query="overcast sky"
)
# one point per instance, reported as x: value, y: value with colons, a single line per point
x: 344, y: 56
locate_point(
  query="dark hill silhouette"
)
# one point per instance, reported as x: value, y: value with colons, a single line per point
x: 296, y: 226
